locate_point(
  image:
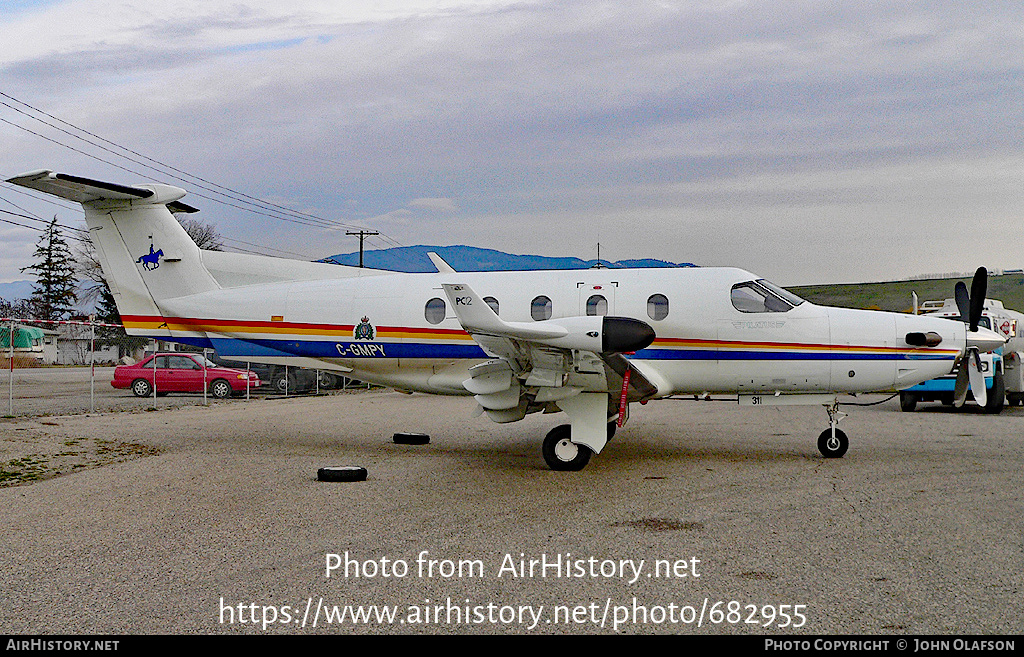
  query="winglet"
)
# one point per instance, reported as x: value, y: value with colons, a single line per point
x: 442, y: 266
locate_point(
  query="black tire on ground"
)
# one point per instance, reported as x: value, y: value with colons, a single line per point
x: 996, y: 398
x: 410, y: 438
x: 327, y: 380
x: 341, y: 473
x: 142, y: 388
x: 908, y: 402
x: 562, y: 454
x: 833, y: 448
x: 612, y: 426
x: 220, y: 389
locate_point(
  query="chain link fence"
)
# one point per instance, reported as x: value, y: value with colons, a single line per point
x: 62, y: 367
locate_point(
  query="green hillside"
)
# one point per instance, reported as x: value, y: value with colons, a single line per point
x: 896, y: 295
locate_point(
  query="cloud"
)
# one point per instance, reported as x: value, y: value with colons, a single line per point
x: 434, y: 204
x: 566, y: 118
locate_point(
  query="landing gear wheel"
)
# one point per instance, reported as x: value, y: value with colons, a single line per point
x: 833, y: 447
x: 142, y: 388
x: 220, y: 389
x: 562, y: 454
x: 908, y: 402
x: 612, y: 426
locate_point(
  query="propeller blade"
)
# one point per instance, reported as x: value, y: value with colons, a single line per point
x: 963, y: 300
x: 977, y: 379
x: 979, y: 287
x: 963, y: 381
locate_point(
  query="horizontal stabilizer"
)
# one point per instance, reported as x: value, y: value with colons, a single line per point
x: 87, y: 190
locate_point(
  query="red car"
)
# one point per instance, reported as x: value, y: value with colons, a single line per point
x: 182, y: 372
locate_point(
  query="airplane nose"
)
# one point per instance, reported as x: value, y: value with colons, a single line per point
x: 984, y: 340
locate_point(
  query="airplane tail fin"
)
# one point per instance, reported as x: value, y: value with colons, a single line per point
x: 145, y: 253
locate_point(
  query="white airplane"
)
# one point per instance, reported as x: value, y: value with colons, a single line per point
x: 586, y: 342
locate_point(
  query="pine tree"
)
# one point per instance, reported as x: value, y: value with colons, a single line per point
x: 53, y: 295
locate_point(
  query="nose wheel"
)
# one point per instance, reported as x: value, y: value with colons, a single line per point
x: 833, y: 443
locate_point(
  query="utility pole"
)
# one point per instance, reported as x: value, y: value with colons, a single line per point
x: 363, y: 234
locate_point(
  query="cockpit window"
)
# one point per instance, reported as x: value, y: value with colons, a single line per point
x: 790, y: 298
x: 763, y: 297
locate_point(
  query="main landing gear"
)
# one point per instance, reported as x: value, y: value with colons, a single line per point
x: 561, y: 454
x: 833, y: 443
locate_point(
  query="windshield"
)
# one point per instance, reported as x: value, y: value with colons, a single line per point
x: 793, y: 299
x: 762, y: 297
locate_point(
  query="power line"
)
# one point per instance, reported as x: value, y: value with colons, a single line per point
x: 237, y: 199
x: 263, y: 207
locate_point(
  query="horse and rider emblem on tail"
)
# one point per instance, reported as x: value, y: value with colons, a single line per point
x: 151, y: 260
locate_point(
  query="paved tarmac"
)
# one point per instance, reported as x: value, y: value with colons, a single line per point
x: 740, y: 525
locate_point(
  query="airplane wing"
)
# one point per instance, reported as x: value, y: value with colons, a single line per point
x: 543, y: 365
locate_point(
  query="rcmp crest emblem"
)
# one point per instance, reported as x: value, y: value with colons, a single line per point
x: 364, y: 330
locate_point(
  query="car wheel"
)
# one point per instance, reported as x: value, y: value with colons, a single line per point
x: 142, y: 388
x: 220, y: 389
x: 283, y: 384
x: 997, y: 395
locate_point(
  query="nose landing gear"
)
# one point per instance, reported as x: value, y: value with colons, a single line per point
x: 833, y: 443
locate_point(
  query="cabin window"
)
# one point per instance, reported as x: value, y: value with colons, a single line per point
x: 540, y: 308
x: 492, y: 303
x: 435, y: 311
x: 657, y: 306
x: 597, y: 305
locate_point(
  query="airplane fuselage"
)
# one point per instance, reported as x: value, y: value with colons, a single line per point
x: 399, y: 329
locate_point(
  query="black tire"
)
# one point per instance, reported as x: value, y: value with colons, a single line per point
x: 142, y: 388
x: 612, y: 426
x: 220, y: 389
x: 908, y: 402
x: 342, y: 473
x: 996, y: 395
x: 410, y: 438
x: 833, y: 448
x: 327, y: 381
x: 285, y: 384
x: 562, y: 454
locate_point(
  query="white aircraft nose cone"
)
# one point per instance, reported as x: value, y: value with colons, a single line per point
x: 984, y: 339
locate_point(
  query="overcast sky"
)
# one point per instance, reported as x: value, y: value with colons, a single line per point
x: 809, y: 142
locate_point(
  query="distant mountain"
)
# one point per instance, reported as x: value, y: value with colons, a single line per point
x: 16, y: 290
x: 471, y: 258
